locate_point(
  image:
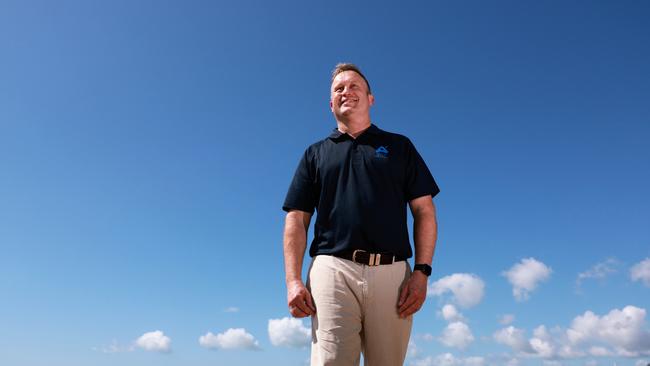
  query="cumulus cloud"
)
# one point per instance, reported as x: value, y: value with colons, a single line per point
x: 551, y: 363
x: 427, y: 337
x: 412, y: 351
x: 457, y: 334
x: 451, y: 314
x: 289, y: 332
x: 618, y: 333
x: 598, y: 271
x: 114, y: 347
x: 542, y: 343
x: 641, y: 272
x: 513, y: 362
x: 599, y: 351
x: 513, y: 337
x: 233, y: 338
x: 623, y: 329
x: 231, y: 309
x: 447, y: 359
x: 155, y: 341
x: 525, y: 276
x: 467, y: 289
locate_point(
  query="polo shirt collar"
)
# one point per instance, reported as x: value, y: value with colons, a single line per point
x: 336, y: 134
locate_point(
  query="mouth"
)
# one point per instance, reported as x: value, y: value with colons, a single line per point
x: 348, y: 101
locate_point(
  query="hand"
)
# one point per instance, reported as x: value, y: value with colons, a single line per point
x: 412, y: 295
x: 299, y: 300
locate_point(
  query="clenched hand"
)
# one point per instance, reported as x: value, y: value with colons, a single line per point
x: 412, y: 295
x: 299, y: 300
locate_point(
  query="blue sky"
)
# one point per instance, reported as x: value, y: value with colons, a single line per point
x: 146, y: 148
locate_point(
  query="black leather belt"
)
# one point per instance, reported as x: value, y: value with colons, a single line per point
x: 369, y: 259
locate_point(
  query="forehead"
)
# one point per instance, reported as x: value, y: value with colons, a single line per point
x: 348, y: 77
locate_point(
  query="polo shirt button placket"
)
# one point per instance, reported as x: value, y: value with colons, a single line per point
x: 356, y: 152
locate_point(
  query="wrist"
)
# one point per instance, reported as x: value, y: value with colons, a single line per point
x: 424, y: 268
x: 293, y: 280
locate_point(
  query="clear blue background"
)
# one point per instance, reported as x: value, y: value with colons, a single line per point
x: 146, y: 147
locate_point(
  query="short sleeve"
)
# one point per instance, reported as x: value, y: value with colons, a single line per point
x: 419, y: 181
x: 302, y: 194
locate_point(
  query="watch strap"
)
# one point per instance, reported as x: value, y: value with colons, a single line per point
x: 424, y: 268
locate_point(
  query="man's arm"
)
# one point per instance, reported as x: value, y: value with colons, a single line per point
x: 295, y: 242
x: 425, y: 233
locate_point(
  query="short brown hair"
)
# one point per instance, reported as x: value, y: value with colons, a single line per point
x: 346, y: 66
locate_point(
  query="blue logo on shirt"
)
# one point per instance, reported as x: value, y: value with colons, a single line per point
x: 381, y: 152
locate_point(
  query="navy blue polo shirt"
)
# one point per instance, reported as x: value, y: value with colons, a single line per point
x: 360, y: 189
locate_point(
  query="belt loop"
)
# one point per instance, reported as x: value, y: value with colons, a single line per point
x: 377, y: 259
x: 371, y: 262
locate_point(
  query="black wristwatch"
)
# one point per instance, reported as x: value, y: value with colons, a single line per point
x: 424, y: 268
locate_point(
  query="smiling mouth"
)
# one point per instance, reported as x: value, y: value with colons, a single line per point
x: 349, y: 100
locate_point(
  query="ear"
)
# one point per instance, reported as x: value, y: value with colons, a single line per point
x: 371, y: 99
x: 331, y: 106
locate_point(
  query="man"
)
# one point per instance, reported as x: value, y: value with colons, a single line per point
x: 360, y: 291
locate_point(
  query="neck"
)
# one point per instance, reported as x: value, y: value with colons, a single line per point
x: 353, y: 127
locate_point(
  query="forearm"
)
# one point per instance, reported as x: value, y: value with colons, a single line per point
x: 425, y: 234
x: 295, y: 243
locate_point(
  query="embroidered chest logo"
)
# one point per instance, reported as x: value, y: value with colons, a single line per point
x: 381, y: 152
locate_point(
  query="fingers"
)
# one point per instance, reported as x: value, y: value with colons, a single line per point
x: 301, y: 305
x: 300, y: 301
x: 310, y: 302
x: 297, y: 313
x: 410, y: 301
x: 402, y: 295
x: 412, y: 309
x: 413, y: 302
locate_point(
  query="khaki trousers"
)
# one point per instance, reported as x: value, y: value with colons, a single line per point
x: 356, y: 311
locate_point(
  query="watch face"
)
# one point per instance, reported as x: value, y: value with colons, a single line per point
x: 424, y: 268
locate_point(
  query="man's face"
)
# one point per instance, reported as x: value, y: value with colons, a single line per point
x: 349, y: 96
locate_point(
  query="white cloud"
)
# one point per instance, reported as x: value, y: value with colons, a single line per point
x: 542, y: 343
x: 114, y: 347
x: 427, y: 337
x: 231, y: 309
x: 155, y: 341
x: 618, y: 333
x: 622, y: 329
x: 506, y: 319
x: 451, y: 314
x: 467, y: 289
x: 641, y: 272
x: 457, y: 334
x: 599, y: 351
x: 289, y: 332
x: 551, y: 363
x: 525, y: 276
x: 412, y: 351
x: 513, y: 337
x: 598, y: 271
x: 513, y: 362
x: 447, y: 359
x: 474, y: 361
x: 233, y: 338
x: 642, y: 363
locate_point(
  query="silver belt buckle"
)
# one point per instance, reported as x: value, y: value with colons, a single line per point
x: 354, y: 255
x: 374, y: 260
